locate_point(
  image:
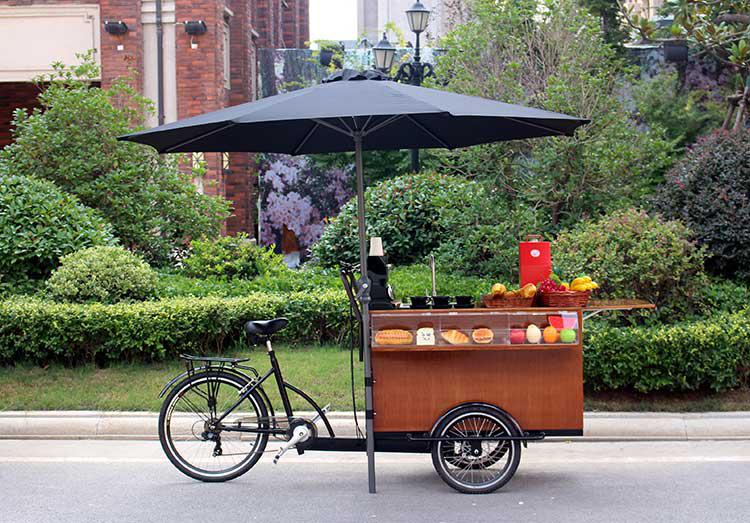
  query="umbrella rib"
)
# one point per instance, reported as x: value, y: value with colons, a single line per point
x: 430, y: 133
x: 538, y: 126
x: 382, y: 124
x: 346, y: 126
x: 331, y: 126
x: 307, y: 137
x: 204, y: 135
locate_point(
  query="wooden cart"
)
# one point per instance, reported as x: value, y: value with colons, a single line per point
x: 443, y: 397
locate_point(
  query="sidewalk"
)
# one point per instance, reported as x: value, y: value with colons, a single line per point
x: 598, y: 426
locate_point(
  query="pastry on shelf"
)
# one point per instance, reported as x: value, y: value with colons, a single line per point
x: 426, y: 336
x: 393, y: 337
x: 482, y: 335
x: 454, y: 337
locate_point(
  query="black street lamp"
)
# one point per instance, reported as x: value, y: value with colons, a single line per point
x: 413, y: 72
x: 416, y: 71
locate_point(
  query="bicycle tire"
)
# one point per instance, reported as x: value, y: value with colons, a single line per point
x: 168, y: 442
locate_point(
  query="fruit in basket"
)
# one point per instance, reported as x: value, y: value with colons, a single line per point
x: 550, y: 285
x: 533, y: 334
x: 528, y: 290
x: 498, y: 289
x: 568, y: 335
x: 482, y: 335
x: 517, y: 336
x: 551, y: 335
x: 583, y: 284
x: 510, y: 294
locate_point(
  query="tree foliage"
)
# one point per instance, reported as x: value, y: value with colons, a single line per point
x: 71, y: 140
x: 552, y: 56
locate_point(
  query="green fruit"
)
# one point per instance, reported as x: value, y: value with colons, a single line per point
x: 568, y: 335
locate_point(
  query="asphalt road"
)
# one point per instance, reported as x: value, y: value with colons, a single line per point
x: 107, y: 481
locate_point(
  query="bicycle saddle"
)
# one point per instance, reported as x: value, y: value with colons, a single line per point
x: 266, y: 327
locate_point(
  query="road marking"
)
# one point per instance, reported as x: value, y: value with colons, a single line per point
x: 392, y: 460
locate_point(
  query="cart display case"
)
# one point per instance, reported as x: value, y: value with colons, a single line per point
x: 526, y: 361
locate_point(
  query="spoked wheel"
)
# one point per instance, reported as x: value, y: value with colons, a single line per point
x: 192, y: 440
x: 476, y: 466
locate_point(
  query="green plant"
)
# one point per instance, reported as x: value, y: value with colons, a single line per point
x: 552, y: 55
x: 102, y: 274
x: 485, y: 239
x: 634, y: 255
x: 39, y: 224
x: 683, y: 114
x: 411, y: 214
x: 709, y: 354
x: 41, y: 331
x: 232, y: 257
x: 709, y: 191
x: 71, y: 140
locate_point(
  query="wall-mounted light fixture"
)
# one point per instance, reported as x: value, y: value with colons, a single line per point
x: 115, y: 27
x: 195, y: 27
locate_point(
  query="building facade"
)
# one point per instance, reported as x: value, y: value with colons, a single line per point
x: 188, y: 56
x: 372, y: 15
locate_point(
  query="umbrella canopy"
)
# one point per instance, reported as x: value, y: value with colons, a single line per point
x: 390, y: 115
x: 357, y: 111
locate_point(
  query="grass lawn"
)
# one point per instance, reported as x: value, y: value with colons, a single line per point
x: 323, y: 372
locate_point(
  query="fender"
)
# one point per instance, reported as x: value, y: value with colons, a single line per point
x: 234, y: 371
x: 475, y: 404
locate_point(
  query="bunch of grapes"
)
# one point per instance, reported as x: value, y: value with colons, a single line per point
x: 550, y: 286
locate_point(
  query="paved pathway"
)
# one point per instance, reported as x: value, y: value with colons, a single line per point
x: 581, y: 482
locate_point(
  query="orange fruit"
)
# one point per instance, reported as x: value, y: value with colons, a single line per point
x: 551, y: 335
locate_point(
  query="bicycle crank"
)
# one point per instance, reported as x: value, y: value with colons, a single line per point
x: 301, y: 432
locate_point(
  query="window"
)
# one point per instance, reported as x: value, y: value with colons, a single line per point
x: 227, y: 48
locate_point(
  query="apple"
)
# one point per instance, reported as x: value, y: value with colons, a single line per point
x: 568, y: 335
x: 517, y: 336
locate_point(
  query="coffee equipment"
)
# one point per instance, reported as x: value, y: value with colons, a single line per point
x: 381, y: 293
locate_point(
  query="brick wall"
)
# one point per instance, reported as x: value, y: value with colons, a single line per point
x: 127, y: 62
x: 296, y: 24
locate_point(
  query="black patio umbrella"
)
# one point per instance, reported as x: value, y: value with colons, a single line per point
x: 356, y: 111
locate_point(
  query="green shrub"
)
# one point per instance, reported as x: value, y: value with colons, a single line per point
x: 42, y: 331
x: 683, y: 113
x: 102, y: 274
x: 484, y: 240
x: 634, y: 255
x: 416, y: 280
x: 71, y: 140
x: 710, y: 354
x: 411, y: 214
x: 232, y: 257
x: 709, y: 191
x: 39, y: 224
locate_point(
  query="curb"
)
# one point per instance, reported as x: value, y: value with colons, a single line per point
x: 598, y: 426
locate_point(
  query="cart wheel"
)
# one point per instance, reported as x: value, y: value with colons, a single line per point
x: 476, y: 467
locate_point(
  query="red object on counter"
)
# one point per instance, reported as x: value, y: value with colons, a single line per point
x: 534, y: 260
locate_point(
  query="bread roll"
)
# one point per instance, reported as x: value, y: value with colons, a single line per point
x: 482, y: 335
x: 454, y: 337
x: 393, y: 337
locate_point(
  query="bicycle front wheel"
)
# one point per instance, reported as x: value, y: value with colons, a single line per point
x: 192, y: 441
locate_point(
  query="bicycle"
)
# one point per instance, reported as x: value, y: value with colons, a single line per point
x: 216, y: 421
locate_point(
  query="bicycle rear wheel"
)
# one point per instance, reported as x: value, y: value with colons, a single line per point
x: 187, y: 417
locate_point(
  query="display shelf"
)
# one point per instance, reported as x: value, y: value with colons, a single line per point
x: 474, y: 347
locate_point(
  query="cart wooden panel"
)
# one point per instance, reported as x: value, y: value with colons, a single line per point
x: 540, y: 385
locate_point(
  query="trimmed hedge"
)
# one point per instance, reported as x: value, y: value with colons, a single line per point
x: 709, y: 354
x: 42, y: 331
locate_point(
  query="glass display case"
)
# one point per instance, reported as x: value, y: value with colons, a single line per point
x: 476, y: 329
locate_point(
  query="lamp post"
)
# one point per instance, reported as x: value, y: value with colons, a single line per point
x: 416, y: 71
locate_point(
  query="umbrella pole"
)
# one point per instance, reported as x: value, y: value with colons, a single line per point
x: 364, y: 298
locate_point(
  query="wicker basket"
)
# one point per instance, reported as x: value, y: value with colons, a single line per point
x: 564, y: 298
x: 499, y: 302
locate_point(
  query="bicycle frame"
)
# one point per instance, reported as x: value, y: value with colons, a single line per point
x: 255, y: 383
